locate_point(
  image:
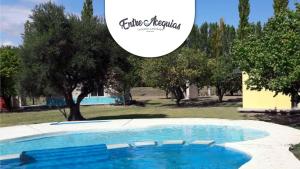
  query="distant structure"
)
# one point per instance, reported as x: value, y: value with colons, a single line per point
x: 192, y: 92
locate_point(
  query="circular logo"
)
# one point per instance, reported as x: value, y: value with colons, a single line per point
x: 150, y: 28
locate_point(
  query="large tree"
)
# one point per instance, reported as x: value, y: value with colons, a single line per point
x: 203, y: 38
x: 224, y: 73
x: 244, y: 11
x: 193, y: 39
x: 174, y: 71
x: 280, y: 6
x: 258, y: 29
x: 121, y: 73
x: 88, y: 10
x: 213, y: 29
x: 272, y: 61
x: 70, y: 53
x: 32, y: 79
x: 9, y: 69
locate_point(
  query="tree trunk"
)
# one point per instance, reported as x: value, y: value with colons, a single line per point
x: 178, y: 102
x: 220, y: 98
x: 178, y: 94
x: 8, y: 103
x: 167, y: 94
x: 295, y: 100
x: 75, y: 114
x: 220, y: 94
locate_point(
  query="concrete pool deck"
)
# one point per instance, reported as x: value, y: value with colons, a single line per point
x: 270, y: 152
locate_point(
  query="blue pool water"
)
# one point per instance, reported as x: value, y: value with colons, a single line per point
x: 154, y: 157
x: 189, y: 133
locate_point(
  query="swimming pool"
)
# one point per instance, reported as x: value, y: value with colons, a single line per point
x: 219, y: 133
x: 267, y: 152
x: 149, y: 157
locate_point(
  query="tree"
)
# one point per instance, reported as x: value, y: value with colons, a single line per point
x: 173, y: 71
x: 224, y: 73
x: 31, y: 82
x: 244, y: 11
x: 193, y: 38
x: 88, y: 10
x: 136, y: 63
x: 32, y: 79
x: 9, y: 69
x: 213, y: 28
x: 121, y: 73
x: 258, y: 29
x: 280, y: 6
x: 69, y: 53
x: 155, y: 73
x: 203, y: 39
x: 272, y: 61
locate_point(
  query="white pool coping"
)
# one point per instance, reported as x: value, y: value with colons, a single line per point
x: 173, y: 142
x: 271, y: 152
x: 117, y: 146
x: 144, y: 143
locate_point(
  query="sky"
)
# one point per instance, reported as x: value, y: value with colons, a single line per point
x: 14, y: 13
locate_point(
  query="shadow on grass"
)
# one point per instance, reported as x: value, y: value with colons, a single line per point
x: 129, y: 116
x: 144, y: 103
x: 206, y: 103
x: 289, y: 120
x: 39, y: 108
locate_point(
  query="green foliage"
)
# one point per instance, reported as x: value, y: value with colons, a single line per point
x: 224, y: 72
x: 208, y: 48
x: 69, y: 53
x: 272, y: 61
x: 173, y: 71
x: 135, y: 71
x: 213, y: 29
x: 203, y: 38
x: 280, y: 6
x: 193, y: 38
x: 9, y: 61
x: 244, y: 11
x: 258, y: 29
x: 121, y: 73
x: 32, y: 82
x: 88, y: 10
x: 9, y: 69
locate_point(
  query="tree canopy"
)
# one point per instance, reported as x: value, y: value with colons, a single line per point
x: 280, y: 6
x: 9, y: 69
x: 174, y: 71
x: 272, y: 60
x: 69, y: 52
x: 88, y: 10
x: 244, y: 11
x: 225, y: 76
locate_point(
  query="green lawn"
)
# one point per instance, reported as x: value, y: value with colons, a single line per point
x: 154, y: 108
x: 296, y: 151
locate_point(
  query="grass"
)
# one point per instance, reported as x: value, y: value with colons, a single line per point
x: 152, y: 107
x: 296, y: 150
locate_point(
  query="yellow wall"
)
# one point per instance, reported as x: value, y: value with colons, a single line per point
x: 263, y: 99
